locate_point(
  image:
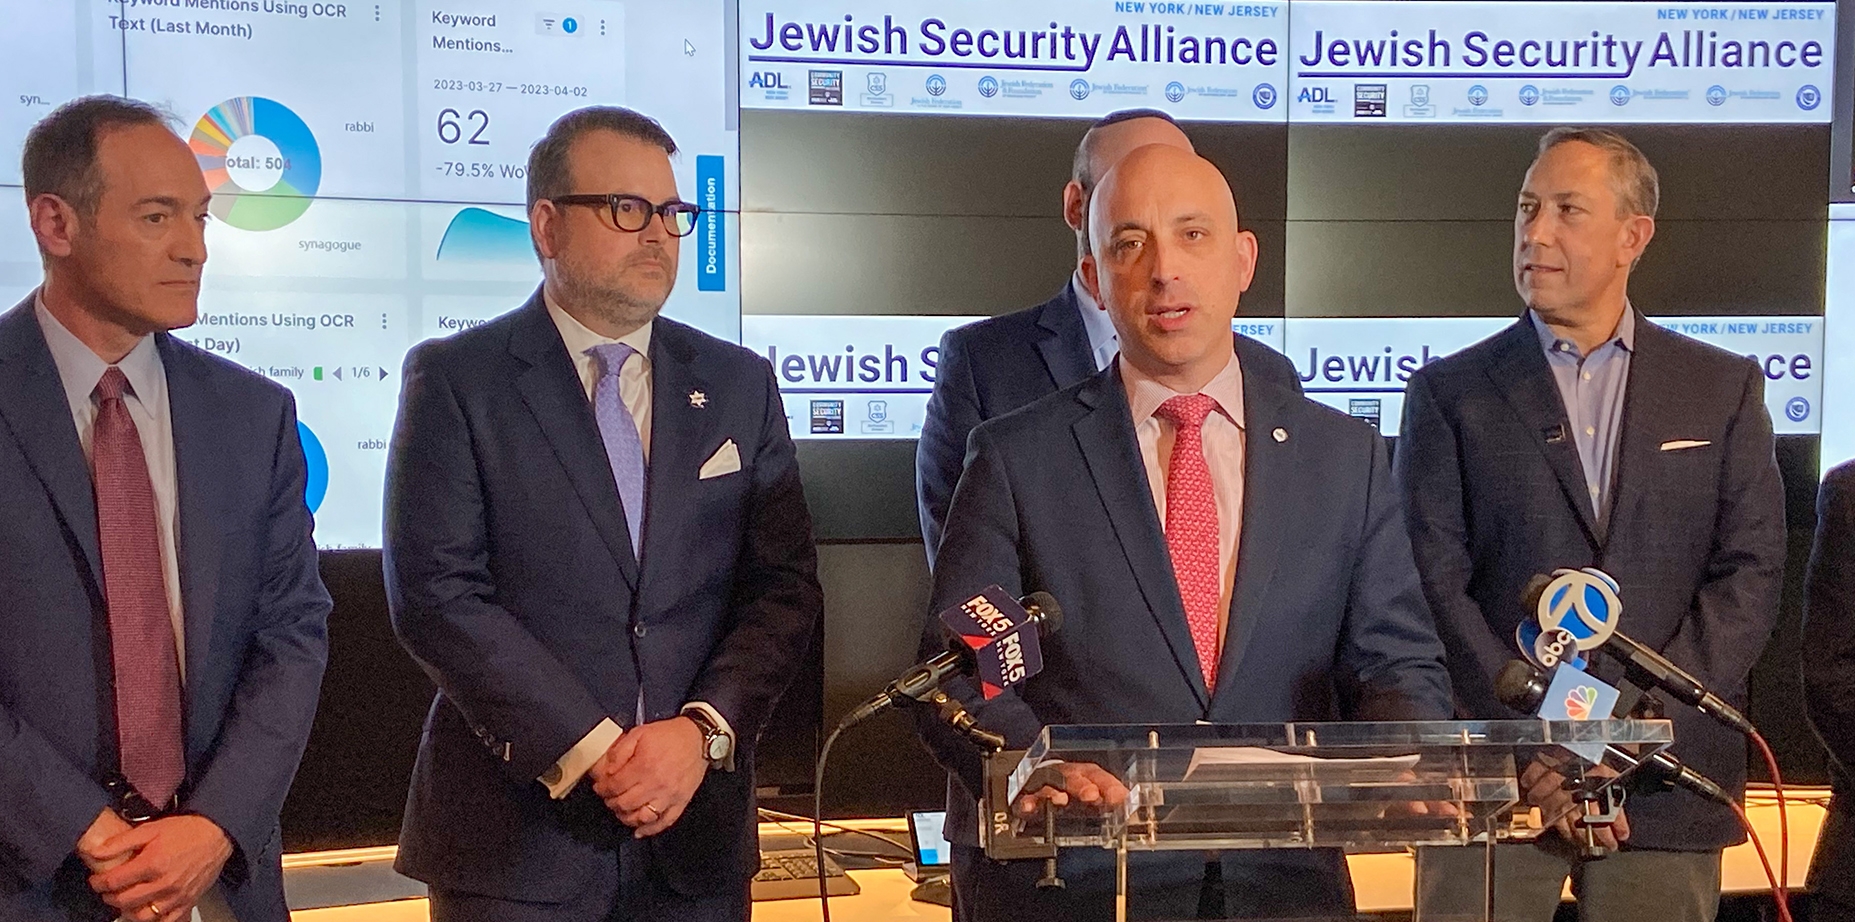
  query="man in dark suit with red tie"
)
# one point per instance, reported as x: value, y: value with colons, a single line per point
x: 1223, y: 548
x: 162, y: 624
x: 598, y: 548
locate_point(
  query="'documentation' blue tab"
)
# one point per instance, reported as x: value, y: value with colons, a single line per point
x: 711, y: 234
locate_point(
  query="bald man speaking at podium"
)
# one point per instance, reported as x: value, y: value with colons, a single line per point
x: 1224, y: 550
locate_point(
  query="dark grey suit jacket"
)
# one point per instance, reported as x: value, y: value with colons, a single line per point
x: 1696, y: 536
x: 1829, y: 674
x: 988, y: 369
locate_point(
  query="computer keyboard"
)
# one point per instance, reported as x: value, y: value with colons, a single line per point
x: 792, y: 874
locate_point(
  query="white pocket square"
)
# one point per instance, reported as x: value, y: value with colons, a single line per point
x: 726, y: 460
x: 1678, y: 444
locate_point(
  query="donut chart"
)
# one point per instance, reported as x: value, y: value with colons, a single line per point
x: 261, y: 162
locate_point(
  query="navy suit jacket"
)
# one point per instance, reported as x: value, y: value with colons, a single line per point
x: 1695, y: 537
x: 987, y: 369
x: 1327, y: 620
x: 1829, y: 674
x: 511, y: 580
x: 256, y: 624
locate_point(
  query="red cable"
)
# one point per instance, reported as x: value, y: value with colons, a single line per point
x: 1784, y: 821
x: 1777, y: 893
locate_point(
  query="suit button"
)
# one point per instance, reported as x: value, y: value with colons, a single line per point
x: 639, y: 630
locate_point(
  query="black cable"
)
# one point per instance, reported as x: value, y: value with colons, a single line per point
x: 824, y: 884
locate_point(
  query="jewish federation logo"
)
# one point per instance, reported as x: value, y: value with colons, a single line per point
x: 1264, y: 96
x: 936, y: 84
x: 1809, y: 97
x: 1079, y: 89
x: 1175, y: 91
x: 1529, y: 95
x: 988, y: 86
x: 1478, y: 95
x: 1797, y: 409
x: 1620, y: 95
x: 1716, y: 95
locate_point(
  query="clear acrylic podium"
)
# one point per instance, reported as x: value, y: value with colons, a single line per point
x: 1362, y: 787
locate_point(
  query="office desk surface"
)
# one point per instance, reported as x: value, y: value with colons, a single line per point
x: 1382, y: 882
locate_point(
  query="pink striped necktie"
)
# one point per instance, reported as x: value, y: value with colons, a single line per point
x: 142, y: 643
x: 1192, y: 527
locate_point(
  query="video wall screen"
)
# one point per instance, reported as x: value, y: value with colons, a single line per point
x: 368, y: 161
x: 897, y: 169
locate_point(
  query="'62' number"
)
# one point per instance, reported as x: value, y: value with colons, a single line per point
x: 451, y: 125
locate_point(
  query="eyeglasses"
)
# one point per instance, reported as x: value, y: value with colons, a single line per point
x: 632, y: 213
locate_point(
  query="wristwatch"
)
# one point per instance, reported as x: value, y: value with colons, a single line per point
x: 717, y: 744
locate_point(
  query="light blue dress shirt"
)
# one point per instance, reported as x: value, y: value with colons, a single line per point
x: 1592, y: 388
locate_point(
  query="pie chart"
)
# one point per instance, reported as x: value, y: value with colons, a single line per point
x: 261, y: 162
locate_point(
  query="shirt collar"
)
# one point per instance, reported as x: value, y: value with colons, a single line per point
x: 1104, y: 342
x: 578, y: 338
x: 80, y: 369
x: 1624, y: 336
x: 1144, y: 395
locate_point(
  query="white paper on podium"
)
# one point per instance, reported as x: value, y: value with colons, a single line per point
x: 1230, y: 763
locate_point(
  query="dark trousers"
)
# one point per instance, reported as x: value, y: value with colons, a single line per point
x: 1628, y: 886
x: 1261, y: 884
x: 628, y: 892
x: 1832, y: 870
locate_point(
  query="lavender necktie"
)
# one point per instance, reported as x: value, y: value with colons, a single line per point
x: 147, y: 665
x: 623, y: 448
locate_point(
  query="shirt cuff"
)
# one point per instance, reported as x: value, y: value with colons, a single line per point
x: 564, y: 775
x: 708, y: 710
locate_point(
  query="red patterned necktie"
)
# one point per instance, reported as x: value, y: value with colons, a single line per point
x: 1191, y: 526
x: 142, y: 648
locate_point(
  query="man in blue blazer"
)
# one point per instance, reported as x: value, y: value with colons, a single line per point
x: 994, y: 366
x: 1223, y: 548
x: 1829, y: 688
x: 162, y: 623
x: 598, y: 548
x: 1585, y: 436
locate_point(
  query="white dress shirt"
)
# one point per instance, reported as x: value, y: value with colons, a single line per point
x: 1223, y: 437
x: 79, y: 369
x: 634, y: 389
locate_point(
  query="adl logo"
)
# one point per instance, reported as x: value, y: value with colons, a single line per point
x: 767, y: 80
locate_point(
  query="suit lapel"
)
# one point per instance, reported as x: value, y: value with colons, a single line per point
x: 1268, y: 507
x: 34, y: 407
x: 1519, y: 371
x: 194, y: 409
x: 551, y: 388
x: 1063, y: 341
x: 1112, y: 452
x: 1651, y: 396
x: 682, y: 434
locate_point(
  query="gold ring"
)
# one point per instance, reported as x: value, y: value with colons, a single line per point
x: 155, y: 908
x: 655, y: 813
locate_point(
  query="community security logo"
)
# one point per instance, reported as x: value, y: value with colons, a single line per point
x: 827, y: 88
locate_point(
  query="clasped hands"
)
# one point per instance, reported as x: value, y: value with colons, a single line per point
x: 156, y: 871
x: 648, y: 776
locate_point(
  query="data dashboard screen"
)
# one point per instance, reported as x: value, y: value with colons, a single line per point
x: 368, y: 161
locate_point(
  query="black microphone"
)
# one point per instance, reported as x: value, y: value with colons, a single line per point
x: 1002, y: 645
x: 1522, y: 686
x: 1649, y: 667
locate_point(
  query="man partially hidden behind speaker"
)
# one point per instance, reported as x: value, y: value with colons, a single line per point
x: 1584, y: 435
x: 1224, y: 549
x: 162, y: 624
x: 1829, y: 688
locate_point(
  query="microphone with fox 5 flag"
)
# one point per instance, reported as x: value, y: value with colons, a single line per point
x: 990, y: 635
x: 1571, y: 694
x: 1585, y: 604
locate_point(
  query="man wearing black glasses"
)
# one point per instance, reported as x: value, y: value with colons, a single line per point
x: 597, y: 547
